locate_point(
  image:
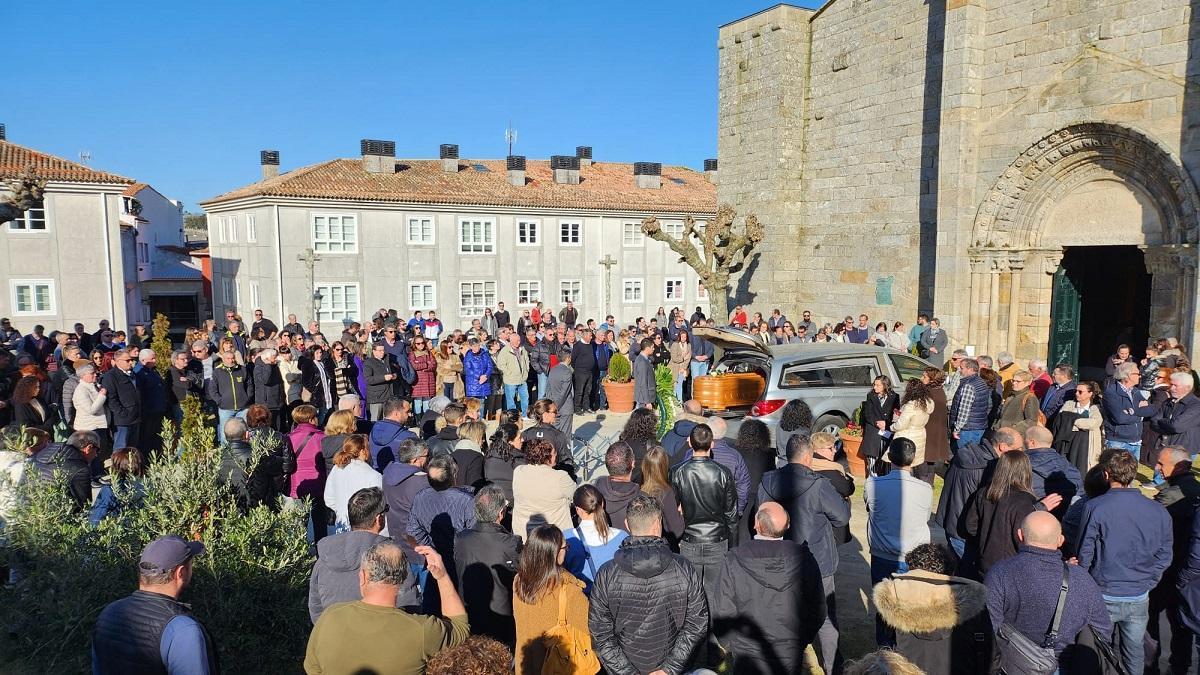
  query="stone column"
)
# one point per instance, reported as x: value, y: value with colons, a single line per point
x: 996, y: 266
x: 975, y: 259
x: 1016, y: 266
x: 1167, y: 288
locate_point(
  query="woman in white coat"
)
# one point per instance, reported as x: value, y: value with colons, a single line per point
x: 915, y: 408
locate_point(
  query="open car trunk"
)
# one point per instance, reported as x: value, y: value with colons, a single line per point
x: 738, y: 376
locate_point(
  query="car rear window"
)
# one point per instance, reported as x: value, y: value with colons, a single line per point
x: 809, y: 375
x: 907, y: 368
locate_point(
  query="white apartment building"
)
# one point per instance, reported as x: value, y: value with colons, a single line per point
x: 454, y: 236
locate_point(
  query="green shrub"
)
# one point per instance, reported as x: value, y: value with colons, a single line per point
x: 249, y: 589
x: 664, y: 389
x: 619, y: 369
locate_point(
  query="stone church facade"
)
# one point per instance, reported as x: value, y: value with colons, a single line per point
x: 1023, y: 169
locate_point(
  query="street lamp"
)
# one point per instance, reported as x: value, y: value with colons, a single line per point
x: 316, y: 305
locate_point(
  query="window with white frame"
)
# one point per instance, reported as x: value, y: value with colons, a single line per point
x: 633, y: 291
x: 32, y: 296
x: 420, y: 230
x: 475, y: 296
x: 334, y: 234
x: 237, y: 289
x: 701, y: 290
x: 254, y: 294
x: 476, y: 235
x: 220, y: 228
x: 227, y: 291
x: 674, y: 229
x: 632, y: 235
x: 528, y: 292
x: 570, y: 291
x: 422, y: 295
x: 673, y: 290
x: 570, y: 233
x: 251, y: 229
x: 528, y: 233
x: 339, y: 302
x: 233, y: 227
x: 33, y: 220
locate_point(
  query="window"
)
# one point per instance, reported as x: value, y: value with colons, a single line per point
x: 232, y: 236
x: 831, y: 374
x: 32, y: 296
x: 673, y: 228
x: 143, y: 252
x: 569, y: 291
x: 907, y: 368
x: 227, y: 291
x: 254, y: 294
x: 33, y: 220
x: 633, y: 291
x: 528, y: 292
x: 528, y: 233
x: 632, y: 235
x: 339, y: 302
x: 476, y: 235
x: 422, y: 295
x: 335, y: 234
x: 237, y: 288
x: 475, y: 296
x: 251, y: 230
x: 701, y: 290
x: 420, y: 230
x: 570, y: 233
x: 673, y: 290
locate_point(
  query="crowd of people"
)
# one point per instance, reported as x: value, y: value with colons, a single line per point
x: 452, y: 531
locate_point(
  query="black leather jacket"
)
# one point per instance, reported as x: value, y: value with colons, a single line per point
x: 708, y: 495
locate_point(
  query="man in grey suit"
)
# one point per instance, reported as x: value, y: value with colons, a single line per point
x: 560, y: 388
x: 934, y: 340
x: 644, y: 386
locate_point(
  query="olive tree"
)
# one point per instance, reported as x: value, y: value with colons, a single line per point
x: 26, y: 190
x: 716, y: 251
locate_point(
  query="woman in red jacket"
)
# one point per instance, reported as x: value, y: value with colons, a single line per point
x: 425, y: 364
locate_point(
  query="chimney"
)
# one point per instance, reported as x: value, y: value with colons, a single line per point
x: 3, y: 133
x: 710, y: 170
x: 448, y: 152
x: 378, y: 156
x: 565, y: 168
x: 516, y: 170
x: 584, y: 153
x: 269, y: 159
x: 647, y: 174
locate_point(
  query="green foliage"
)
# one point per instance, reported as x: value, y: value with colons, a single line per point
x: 619, y: 369
x: 249, y: 589
x: 668, y: 404
x: 161, y: 343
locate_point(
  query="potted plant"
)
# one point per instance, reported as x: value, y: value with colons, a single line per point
x: 852, y: 436
x: 618, y: 384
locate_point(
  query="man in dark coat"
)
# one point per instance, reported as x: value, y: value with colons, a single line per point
x: 486, y: 558
x: 403, y: 480
x: 1052, y: 473
x: 124, y: 402
x: 1180, y: 495
x: 814, y: 509
x: 443, y: 442
x: 647, y: 610
x: 381, y: 378
x: 644, y: 386
x: 231, y: 389
x: 583, y: 362
x: 73, y: 458
x: 252, y: 483
x: 335, y: 575
x: 1178, y: 420
x: 153, y: 392
x: 388, y: 433
x: 968, y: 470
x: 769, y: 602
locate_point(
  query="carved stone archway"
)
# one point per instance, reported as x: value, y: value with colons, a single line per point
x: 1011, y: 260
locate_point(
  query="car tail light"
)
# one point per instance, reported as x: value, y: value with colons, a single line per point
x: 764, y: 408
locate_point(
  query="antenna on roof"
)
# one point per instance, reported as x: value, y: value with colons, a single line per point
x: 510, y: 136
x: 85, y: 156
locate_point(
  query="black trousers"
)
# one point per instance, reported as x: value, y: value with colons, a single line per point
x: 583, y: 389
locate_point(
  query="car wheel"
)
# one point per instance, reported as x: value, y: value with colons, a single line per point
x: 830, y: 424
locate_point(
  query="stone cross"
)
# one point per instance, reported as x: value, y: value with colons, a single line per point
x: 310, y: 260
x: 608, y: 261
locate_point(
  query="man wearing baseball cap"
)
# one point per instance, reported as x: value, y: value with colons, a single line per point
x: 150, y: 631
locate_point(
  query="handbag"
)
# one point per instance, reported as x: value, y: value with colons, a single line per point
x: 568, y: 649
x: 1021, y: 656
x: 1091, y: 653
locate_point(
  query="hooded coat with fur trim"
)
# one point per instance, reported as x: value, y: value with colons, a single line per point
x: 941, y: 622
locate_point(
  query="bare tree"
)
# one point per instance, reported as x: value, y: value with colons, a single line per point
x: 716, y: 252
x: 27, y: 190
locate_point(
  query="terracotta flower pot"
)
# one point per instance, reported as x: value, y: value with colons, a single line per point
x: 856, y: 462
x: 620, y: 396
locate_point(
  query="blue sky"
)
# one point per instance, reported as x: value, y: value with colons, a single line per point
x: 184, y: 95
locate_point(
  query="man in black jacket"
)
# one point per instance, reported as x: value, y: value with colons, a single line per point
x: 968, y: 470
x: 708, y: 497
x: 124, y: 402
x: 269, y: 387
x: 770, y: 602
x: 486, y: 558
x: 231, y: 389
x: 814, y: 508
x: 153, y: 392
x: 73, y: 458
x: 583, y: 360
x: 647, y: 611
x: 381, y: 380
x: 252, y: 482
x: 443, y: 442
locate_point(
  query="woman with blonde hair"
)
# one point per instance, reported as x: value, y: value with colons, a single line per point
x: 351, y: 472
x: 449, y: 370
x: 915, y: 410
x: 340, y: 425
x: 544, y: 592
x: 469, y: 453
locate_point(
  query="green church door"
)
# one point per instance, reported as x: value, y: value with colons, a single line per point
x: 1065, y: 309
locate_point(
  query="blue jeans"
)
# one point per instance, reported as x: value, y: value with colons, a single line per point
x: 601, y: 397
x: 882, y: 568
x: 517, y: 394
x: 1134, y: 447
x: 698, y: 369
x: 420, y: 405
x: 968, y: 437
x: 959, y: 545
x: 1130, y: 617
x: 124, y: 436
x: 224, y: 416
x: 679, y: 386
x: 543, y: 379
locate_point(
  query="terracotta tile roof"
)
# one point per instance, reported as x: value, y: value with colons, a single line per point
x: 132, y: 190
x: 14, y: 158
x: 602, y: 186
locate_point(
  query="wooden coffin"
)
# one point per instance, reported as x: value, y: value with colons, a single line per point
x: 728, y: 390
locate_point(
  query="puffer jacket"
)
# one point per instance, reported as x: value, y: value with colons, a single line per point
x: 539, y: 357
x: 648, y: 609
x: 88, y: 403
x: 474, y: 366
x: 231, y: 388
x: 942, y: 623
x: 769, y: 593
x: 708, y: 496
x: 335, y: 575
x: 814, y: 509
x: 269, y: 388
x: 964, y: 476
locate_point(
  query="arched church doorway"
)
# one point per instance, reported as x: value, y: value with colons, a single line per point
x: 1100, y: 299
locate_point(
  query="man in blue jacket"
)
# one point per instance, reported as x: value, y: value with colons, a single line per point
x: 1052, y: 473
x: 1178, y: 419
x: 388, y: 433
x: 1124, y: 410
x: 1126, y: 546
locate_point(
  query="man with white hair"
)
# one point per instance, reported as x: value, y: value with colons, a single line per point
x: 950, y: 386
x: 353, y: 403
x: 1006, y: 367
x: 1124, y: 410
x: 153, y: 392
x: 1178, y: 419
x: 1041, y: 379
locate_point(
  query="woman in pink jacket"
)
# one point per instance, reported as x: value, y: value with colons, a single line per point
x: 309, y: 479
